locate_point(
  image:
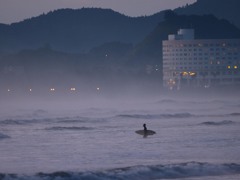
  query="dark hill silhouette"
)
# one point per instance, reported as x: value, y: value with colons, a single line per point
x: 223, y: 9
x: 80, y: 30
x: 76, y: 30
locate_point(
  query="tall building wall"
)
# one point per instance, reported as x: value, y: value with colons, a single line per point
x: 201, y: 63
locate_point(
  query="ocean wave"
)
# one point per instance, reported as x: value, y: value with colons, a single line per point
x: 172, y: 171
x: 22, y: 121
x: 59, y: 128
x: 200, y: 102
x: 156, y: 116
x: 12, y: 122
x: 73, y: 119
x: 80, y: 119
x: 174, y: 115
x: 213, y: 123
x: 3, y: 136
x: 166, y: 101
x: 51, y: 120
x: 234, y: 114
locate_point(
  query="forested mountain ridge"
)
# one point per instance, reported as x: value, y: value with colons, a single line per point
x: 222, y: 9
x: 79, y: 30
x: 75, y: 31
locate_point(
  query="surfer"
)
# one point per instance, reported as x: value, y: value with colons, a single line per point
x: 145, y: 132
x: 145, y: 128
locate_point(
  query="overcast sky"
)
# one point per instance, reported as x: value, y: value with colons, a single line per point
x: 17, y: 10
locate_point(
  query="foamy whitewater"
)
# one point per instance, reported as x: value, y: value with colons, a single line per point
x: 196, y: 138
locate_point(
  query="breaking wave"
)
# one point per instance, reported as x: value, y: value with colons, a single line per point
x: 172, y: 171
x: 213, y: 123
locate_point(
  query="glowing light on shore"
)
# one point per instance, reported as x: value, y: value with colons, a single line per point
x: 189, y: 73
x: 72, y: 89
x: 52, y: 89
x: 98, y: 88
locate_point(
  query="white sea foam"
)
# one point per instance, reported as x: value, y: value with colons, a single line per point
x: 170, y: 171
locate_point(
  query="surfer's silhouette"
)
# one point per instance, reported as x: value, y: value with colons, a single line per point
x: 145, y: 127
x: 145, y: 132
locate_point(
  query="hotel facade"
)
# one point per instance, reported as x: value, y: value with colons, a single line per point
x: 190, y: 62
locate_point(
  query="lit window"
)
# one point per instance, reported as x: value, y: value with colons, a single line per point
x: 192, y: 73
x: 229, y: 67
x: 235, y: 67
x: 171, y: 82
x: 184, y: 73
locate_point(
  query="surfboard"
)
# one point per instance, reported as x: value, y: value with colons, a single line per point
x: 145, y: 133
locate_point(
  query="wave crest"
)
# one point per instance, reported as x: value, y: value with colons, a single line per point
x: 234, y: 114
x: 59, y: 128
x: 172, y: 171
x: 3, y: 136
x: 213, y: 123
x: 156, y: 116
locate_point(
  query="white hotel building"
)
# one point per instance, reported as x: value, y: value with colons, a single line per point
x: 189, y: 62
